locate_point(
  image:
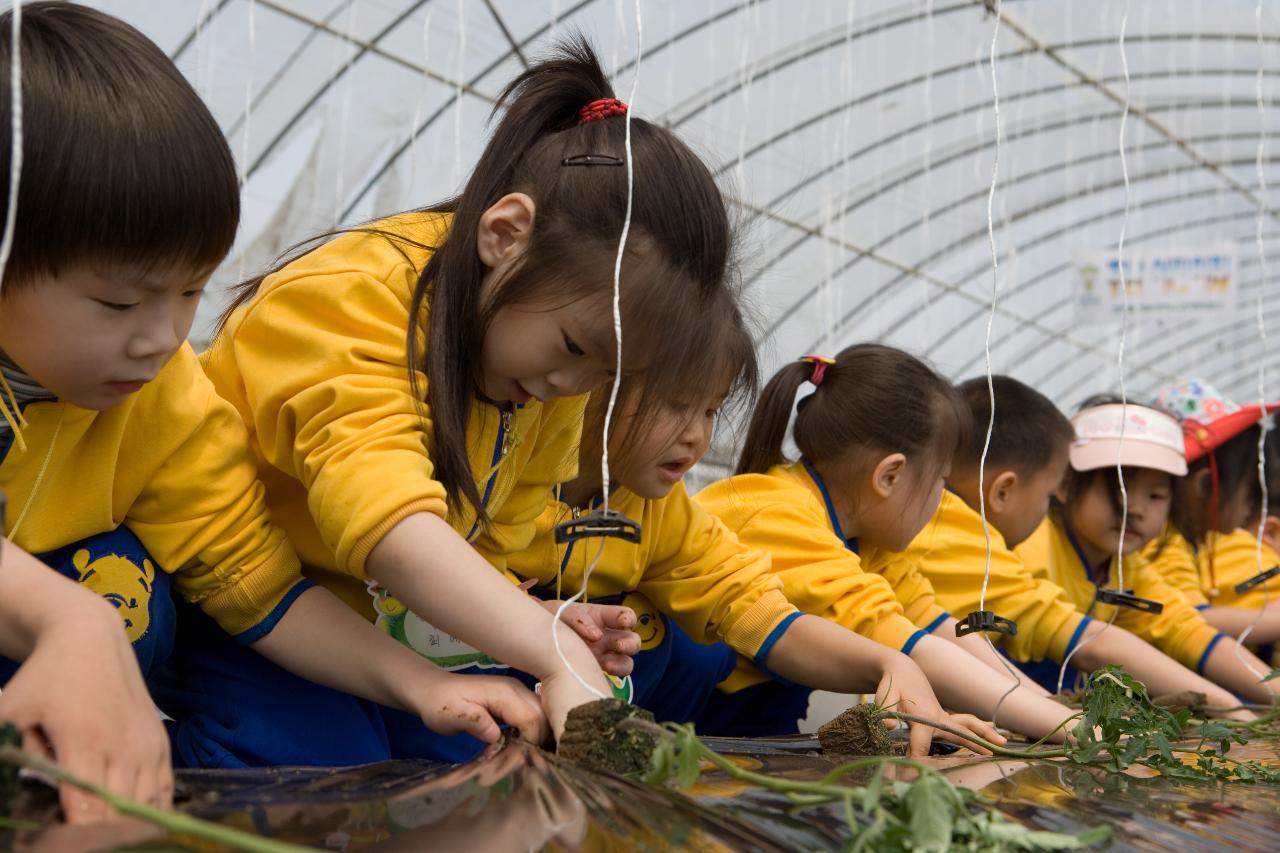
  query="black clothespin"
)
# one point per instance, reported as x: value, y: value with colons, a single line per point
x: 1257, y: 580
x: 604, y: 522
x: 592, y: 160
x: 1126, y: 598
x: 985, y: 620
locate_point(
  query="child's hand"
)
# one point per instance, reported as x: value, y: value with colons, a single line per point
x: 903, y: 687
x: 606, y: 629
x: 561, y: 693
x: 79, y: 698
x: 475, y: 704
x: 970, y: 723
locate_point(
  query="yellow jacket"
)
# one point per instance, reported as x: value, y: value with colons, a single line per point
x: 1235, y: 559
x: 170, y: 463
x: 316, y: 366
x: 688, y: 564
x: 785, y: 512
x: 1179, y: 631
x: 951, y: 552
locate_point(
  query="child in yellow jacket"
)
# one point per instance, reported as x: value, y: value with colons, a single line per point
x: 1025, y: 463
x: 123, y: 469
x: 1220, y: 568
x: 414, y: 388
x: 703, y: 597
x: 875, y: 437
x: 1097, y: 515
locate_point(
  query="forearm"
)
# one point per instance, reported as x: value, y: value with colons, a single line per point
x: 1233, y: 621
x: 978, y: 646
x: 1160, y: 673
x: 1236, y: 668
x: 964, y: 683
x: 34, y: 598
x: 323, y: 640
x: 825, y: 656
x: 442, y: 579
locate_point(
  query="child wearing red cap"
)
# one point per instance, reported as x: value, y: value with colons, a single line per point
x: 1210, y: 551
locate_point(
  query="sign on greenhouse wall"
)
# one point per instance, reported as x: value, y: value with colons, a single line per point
x: 1164, y: 282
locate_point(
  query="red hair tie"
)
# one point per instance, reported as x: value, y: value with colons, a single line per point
x: 820, y: 364
x: 602, y: 108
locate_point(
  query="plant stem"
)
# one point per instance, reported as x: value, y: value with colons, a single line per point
x: 998, y: 751
x: 176, y: 822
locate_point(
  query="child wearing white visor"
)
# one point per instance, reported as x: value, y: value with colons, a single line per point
x: 1115, y: 499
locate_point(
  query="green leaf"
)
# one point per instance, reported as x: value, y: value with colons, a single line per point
x: 660, y: 763
x: 871, y: 794
x: 687, y: 760
x: 931, y: 806
x: 1275, y: 673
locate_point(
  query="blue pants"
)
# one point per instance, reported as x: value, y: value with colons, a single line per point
x: 117, y: 567
x: 234, y: 708
x: 763, y: 710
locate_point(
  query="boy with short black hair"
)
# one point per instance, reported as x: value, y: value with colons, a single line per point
x: 1026, y: 462
x: 123, y: 468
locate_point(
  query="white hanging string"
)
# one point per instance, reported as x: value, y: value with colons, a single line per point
x: 1259, y: 233
x: 15, y: 139
x: 201, y: 71
x: 986, y: 350
x: 1124, y: 329
x: 617, y: 334
x: 345, y: 114
x: 243, y: 170
x: 417, y: 107
x: 457, y: 96
x: 922, y: 325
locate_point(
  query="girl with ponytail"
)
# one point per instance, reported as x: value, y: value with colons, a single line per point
x: 876, y: 437
x: 414, y: 388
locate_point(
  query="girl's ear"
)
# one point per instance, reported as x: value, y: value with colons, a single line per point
x: 1199, y: 483
x: 505, y: 230
x: 1271, y: 533
x: 889, y: 474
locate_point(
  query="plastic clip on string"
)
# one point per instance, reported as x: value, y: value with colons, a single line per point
x: 600, y: 523
x: 984, y: 620
x: 1126, y: 598
x: 1257, y: 580
x: 593, y: 160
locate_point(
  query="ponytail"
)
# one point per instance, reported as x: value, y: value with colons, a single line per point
x: 869, y: 396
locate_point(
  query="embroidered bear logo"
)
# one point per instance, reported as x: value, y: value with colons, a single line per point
x: 122, y: 582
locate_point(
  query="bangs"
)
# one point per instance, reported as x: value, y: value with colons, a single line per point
x: 123, y: 166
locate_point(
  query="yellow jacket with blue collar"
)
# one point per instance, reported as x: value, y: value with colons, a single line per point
x: 1234, y: 560
x: 688, y: 565
x: 951, y: 552
x: 786, y: 512
x: 169, y: 462
x: 1178, y: 631
x: 317, y: 367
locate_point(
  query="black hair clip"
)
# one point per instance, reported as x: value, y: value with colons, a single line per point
x: 592, y: 160
x: 598, y: 523
x: 1126, y: 598
x: 1257, y: 580
x: 985, y: 620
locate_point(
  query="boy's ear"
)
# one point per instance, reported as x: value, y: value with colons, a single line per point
x: 505, y: 229
x: 1000, y: 492
x: 889, y: 474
